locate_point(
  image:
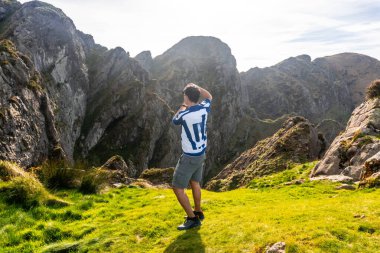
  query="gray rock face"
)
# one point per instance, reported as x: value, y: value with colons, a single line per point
x: 355, y: 146
x: 145, y: 59
x: 57, y: 52
x: 94, y: 91
x: 116, y: 91
x: 326, y: 88
x: 7, y: 8
x: 27, y: 132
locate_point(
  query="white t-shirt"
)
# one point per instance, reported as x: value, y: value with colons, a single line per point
x: 194, y: 132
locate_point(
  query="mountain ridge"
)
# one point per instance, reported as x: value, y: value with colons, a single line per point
x: 100, y: 98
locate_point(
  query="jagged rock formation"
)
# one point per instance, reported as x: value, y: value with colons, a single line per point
x: 296, y: 142
x: 94, y: 92
x: 326, y: 88
x: 57, y: 52
x: 356, y: 146
x: 119, y: 119
x: 27, y: 132
x: 145, y: 59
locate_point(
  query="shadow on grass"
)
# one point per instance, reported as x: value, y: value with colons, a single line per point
x: 188, y: 242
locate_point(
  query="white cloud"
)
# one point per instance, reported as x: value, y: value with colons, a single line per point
x: 260, y: 33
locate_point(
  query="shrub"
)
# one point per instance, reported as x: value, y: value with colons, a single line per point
x: 22, y: 188
x: 7, y: 46
x: 94, y: 181
x: 374, y: 89
x: 23, y: 191
x: 158, y: 176
x: 56, y: 175
x: 9, y: 170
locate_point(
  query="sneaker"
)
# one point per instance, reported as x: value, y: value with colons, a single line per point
x: 190, y: 223
x: 200, y: 215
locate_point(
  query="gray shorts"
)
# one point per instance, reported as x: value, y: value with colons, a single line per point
x: 188, y: 168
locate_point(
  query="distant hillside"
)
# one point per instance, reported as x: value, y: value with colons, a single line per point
x: 326, y: 88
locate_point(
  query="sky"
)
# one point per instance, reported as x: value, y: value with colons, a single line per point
x: 260, y: 33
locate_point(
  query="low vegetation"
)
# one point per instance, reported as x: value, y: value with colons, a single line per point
x: 297, y: 175
x: 23, y: 189
x: 374, y: 89
x: 308, y: 217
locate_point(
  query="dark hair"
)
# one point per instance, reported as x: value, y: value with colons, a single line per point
x: 192, y: 93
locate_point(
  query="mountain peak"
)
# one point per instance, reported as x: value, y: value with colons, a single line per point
x: 145, y: 60
x: 200, y: 47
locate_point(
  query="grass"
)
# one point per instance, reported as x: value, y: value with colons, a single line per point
x: 23, y: 189
x: 298, y: 172
x: 311, y: 217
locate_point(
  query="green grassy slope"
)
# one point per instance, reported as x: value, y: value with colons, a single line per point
x: 311, y: 217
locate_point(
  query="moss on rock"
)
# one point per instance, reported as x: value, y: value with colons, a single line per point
x: 158, y: 175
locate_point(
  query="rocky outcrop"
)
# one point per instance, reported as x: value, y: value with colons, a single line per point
x: 145, y: 59
x: 27, y: 129
x: 296, y: 142
x: 98, y: 97
x: 326, y: 88
x: 50, y: 39
x: 356, y: 146
x: 117, y: 171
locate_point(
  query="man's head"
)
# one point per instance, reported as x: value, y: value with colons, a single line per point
x: 192, y: 93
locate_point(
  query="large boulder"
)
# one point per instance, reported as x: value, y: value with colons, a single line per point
x: 117, y: 171
x: 296, y: 142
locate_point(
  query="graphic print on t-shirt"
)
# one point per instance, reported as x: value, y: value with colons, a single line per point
x: 194, y: 130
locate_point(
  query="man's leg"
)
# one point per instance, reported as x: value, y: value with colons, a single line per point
x: 184, y: 201
x: 196, y: 189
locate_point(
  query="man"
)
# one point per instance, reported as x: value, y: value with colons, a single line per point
x: 192, y: 116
